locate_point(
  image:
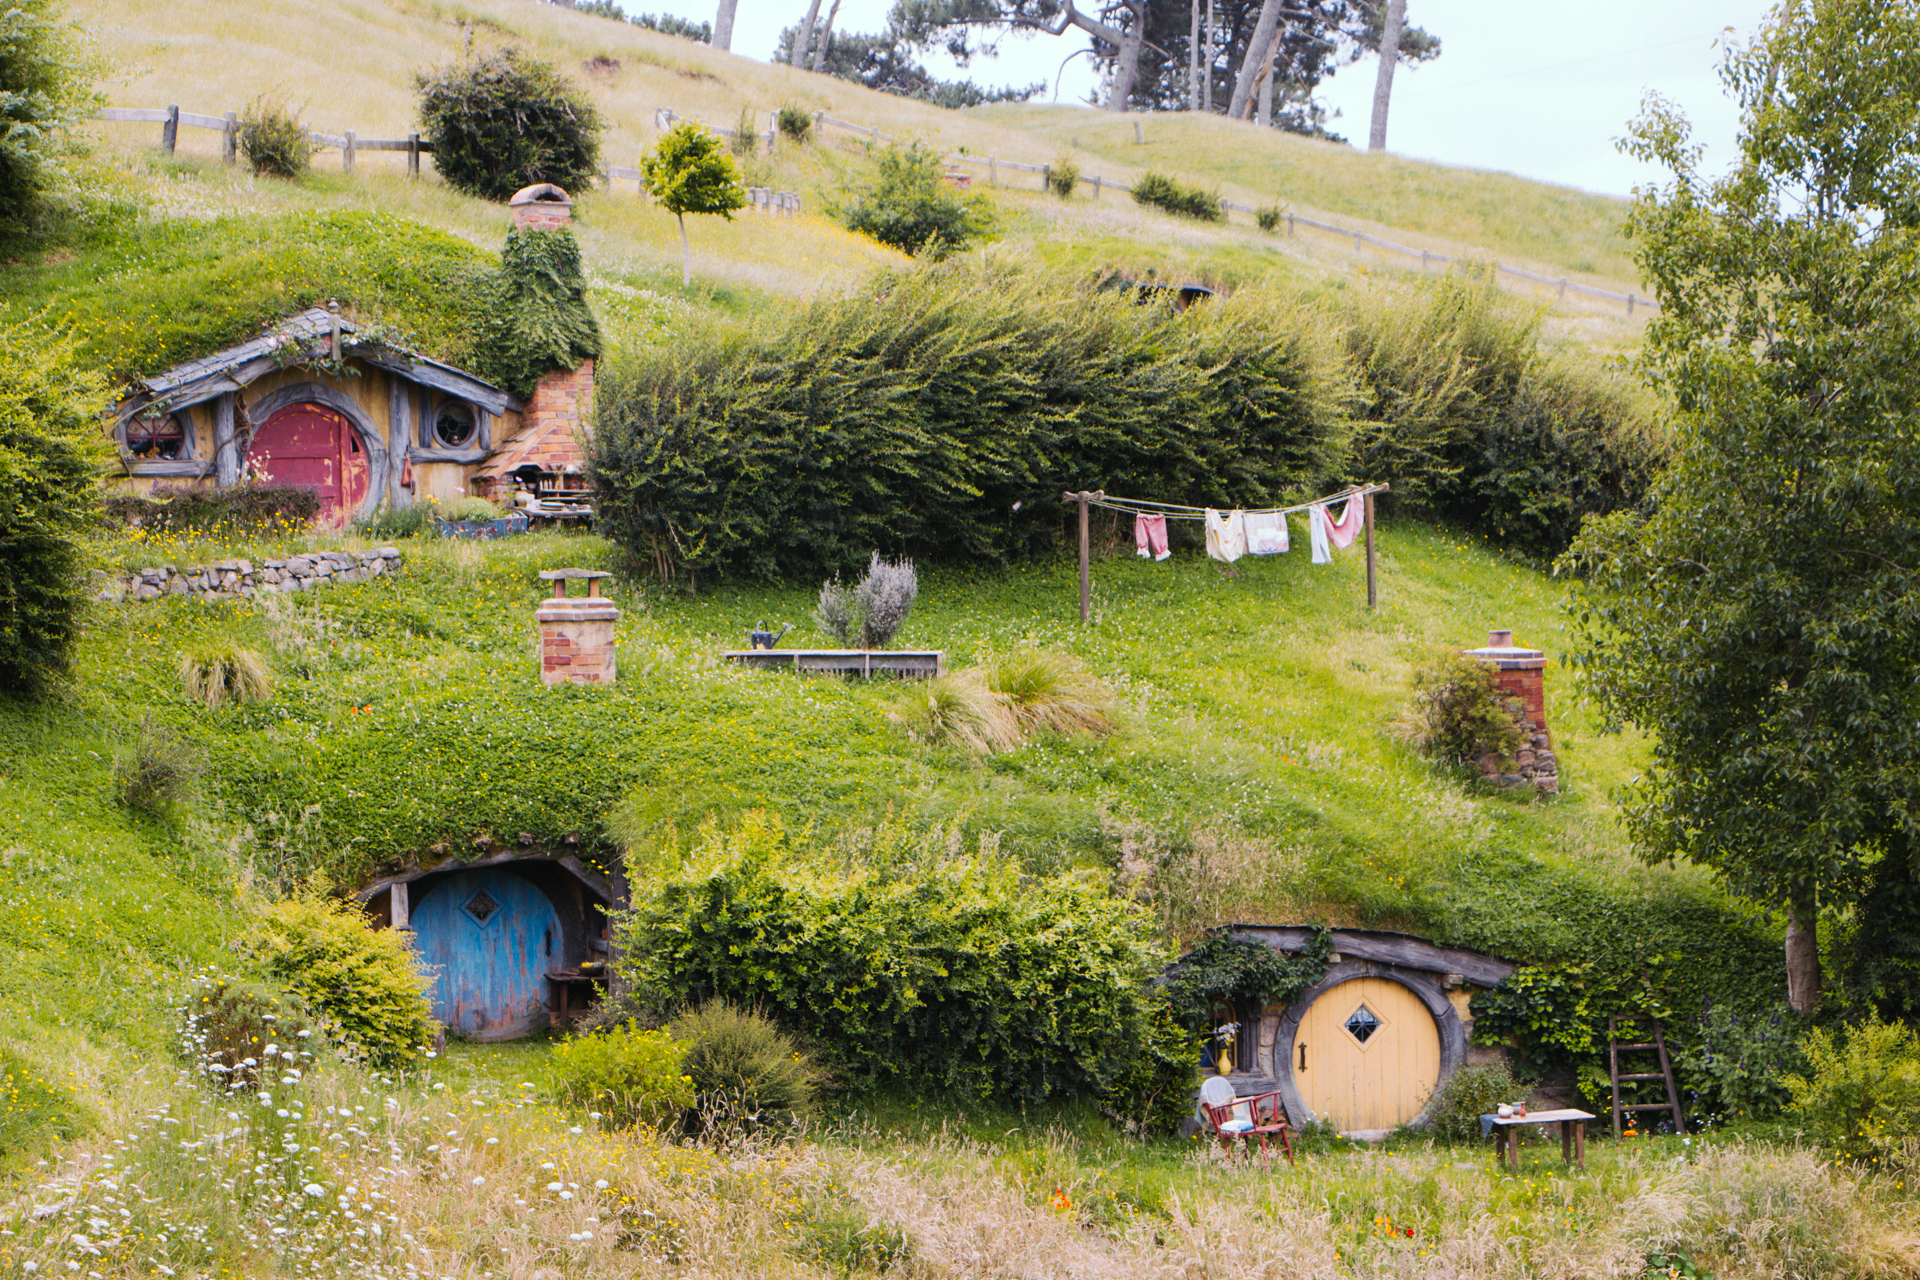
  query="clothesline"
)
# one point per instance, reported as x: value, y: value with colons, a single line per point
x: 1178, y: 511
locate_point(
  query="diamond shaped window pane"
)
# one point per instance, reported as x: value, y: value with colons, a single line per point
x: 1362, y: 1024
x: 481, y: 907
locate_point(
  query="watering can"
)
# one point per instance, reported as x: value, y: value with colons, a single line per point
x: 761, y: 638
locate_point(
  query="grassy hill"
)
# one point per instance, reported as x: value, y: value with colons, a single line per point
x: 350, y: 66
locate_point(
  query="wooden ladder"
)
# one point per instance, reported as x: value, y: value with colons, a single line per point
x: 1656, y: 1045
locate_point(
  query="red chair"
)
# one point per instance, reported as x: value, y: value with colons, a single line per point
x: 1257, y: 1115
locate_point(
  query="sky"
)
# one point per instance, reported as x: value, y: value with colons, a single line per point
x: 1538, y: 88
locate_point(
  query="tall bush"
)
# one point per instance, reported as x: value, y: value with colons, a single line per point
x: 274, y: 142
x: 955, y: 978
x: 46, y: 88
x: 1161, y: 192
x: 629, y: 1074
x: 361, y: 980
x: 910, y: 208
x: 1860, y: 1093
x: 941, y: 411
x: 1459, y: 714
x: 51, y: 449
x: 506, y: 121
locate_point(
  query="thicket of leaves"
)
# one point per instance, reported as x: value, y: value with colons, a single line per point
x: 970, y: 980
x: 911, y: 208
x: 506, y: 121
x: 46, y: 87
x: 941, y: 412
x: 539, y: 320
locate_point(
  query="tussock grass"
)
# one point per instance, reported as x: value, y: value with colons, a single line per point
x: 222, y: 675
x: 959, y: 710
x: 1050, y: 693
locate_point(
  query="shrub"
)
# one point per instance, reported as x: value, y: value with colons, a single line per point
x: 832, y: 1230
x: 469, y: 508
x: 273, y: 140
x: 1453, y: 1113
x: 1268, y: 219
x: 965, y: 978
x: 668, y: 24
x: 837, y: 613
x: 795, y: 123
x: 539, y: 320
x: 1162, y: 192
x: 1459, y: 715
x: 745, y: 1070
x: 506, y: 121
x: 1225, y: 970
x: 1063, y: 175
x: 156, y: 770
x: 884, y: 598
x: 363, y: 981
x: 632, y: 1075
x: 1861, y: 1095
x: 940, y: 412
x: 1048, y: 693
x: 959, y: 710
x: 46, y: 82
x: 225, y: 674
x: 910, y: 208
x: 227, y: 1028
x: 1737, y: 1061
x: 252, y: 510
x: 50, y: 455
x: 415, y: 520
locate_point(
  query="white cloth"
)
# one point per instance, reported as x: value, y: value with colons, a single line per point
x: 1317, y: 533
x: 1226, y: 535
x: 1266, y: 533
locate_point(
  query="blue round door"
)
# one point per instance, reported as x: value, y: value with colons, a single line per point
x: 491, y: 937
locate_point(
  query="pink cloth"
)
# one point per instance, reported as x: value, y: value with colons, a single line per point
x: 1150, y: 536
x: 1343, y: 531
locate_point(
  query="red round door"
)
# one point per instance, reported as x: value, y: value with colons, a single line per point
x: 313, y: 447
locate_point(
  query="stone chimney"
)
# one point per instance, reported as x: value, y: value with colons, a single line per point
x: 576, y: 632
x: 542, y: 206
x: 1520, y: 673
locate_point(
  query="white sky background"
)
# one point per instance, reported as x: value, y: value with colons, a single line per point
x: 1539, y: 88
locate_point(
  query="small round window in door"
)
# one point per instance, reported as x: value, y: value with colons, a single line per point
x: 1366, y: 1055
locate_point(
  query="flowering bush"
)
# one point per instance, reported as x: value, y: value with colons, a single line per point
x: 1861, y: 1094
x: 361, y: 980
x: 632, y: 1076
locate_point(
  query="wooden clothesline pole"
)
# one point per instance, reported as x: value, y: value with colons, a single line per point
x: 1085, y: 496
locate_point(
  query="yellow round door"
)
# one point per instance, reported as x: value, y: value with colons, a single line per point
x: 1366, y: 1055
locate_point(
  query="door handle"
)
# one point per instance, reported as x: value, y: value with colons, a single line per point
x: 1303, y: 1055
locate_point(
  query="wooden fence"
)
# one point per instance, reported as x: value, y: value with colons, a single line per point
x: 1428, y: 258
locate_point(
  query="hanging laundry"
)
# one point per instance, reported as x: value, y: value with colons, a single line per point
x: 1226, y: 535
x: 1266, y: 532
x: 1150, y: 536
x: 1343, y: 531
x: 1317, y: 533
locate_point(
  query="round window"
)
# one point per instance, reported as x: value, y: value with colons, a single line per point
x: 454, y: 426
x: 157, y: 439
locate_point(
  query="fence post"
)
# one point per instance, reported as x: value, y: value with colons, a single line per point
x: 1356, y: 242
x: 993, y: 172
x: 1096, y: 186
x: 1629, y: 304
x: 170, y: 130
x: 1139, y: 133
x: 1563, y: 288
x: 1289, y: 224
x: 230, y: 138
x: 1423, y: 261
x: 413, y: 155
x: 1046, y: 177
x: 346, y: 153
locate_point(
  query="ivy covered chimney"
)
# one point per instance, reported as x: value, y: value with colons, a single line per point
x: 1520, y: 674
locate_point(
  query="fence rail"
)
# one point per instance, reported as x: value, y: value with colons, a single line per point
x: 1428, y: 258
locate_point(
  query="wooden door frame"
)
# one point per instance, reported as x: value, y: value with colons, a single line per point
x: 1453, y: 1036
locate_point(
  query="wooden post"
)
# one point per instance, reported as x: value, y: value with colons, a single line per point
x: 1563, y: 288
x: 346, y: 154
x: 993, y: 172
x: 1290, y: 224
x: 413, y: 155
x: 399, y: 907
x: 1046, y: 176
x: 226, y: 460
x: 1096, y: 186
x: 170, y: 129
x: 1373, y: 588
x: 230, y: 138
x: 1139, y: 134
x: 1083, y: 497
x: 1629, y: 304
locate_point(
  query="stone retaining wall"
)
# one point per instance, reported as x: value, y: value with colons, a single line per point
x: 235, y: 579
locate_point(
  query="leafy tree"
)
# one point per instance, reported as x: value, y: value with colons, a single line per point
x: 1763, y: 625
x: 910, y: 208
x: 50, y: 454
x: 46, y: 87
x: 506, y: 121
x: 690, y: 172
x: 884, y: 61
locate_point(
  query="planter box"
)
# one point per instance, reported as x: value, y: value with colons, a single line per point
x: 504, y: 527
x: 912, y: 664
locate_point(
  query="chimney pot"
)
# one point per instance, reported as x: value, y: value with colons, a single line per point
x: 541, y: 206
x: 1500, y: 639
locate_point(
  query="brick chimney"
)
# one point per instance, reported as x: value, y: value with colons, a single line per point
x: 1520, y: 673
x: 576, y: 632
x: 542, y: 206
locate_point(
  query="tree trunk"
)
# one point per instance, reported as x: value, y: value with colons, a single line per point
x: 1126, y: 67
x: 1193, y: 61
x: 803, y: 38
x: 826, y: 34
x: 1259, y: 46
x: 1383, y: 85
x: 723, y: 25
x: 686, y: 253
x: 1206, y: 63
x: 1803, y: 952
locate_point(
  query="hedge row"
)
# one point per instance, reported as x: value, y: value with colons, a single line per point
x: 942, y: 411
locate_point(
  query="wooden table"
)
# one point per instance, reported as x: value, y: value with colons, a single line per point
x: 562, y: 985
x: 1573, y: 1134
